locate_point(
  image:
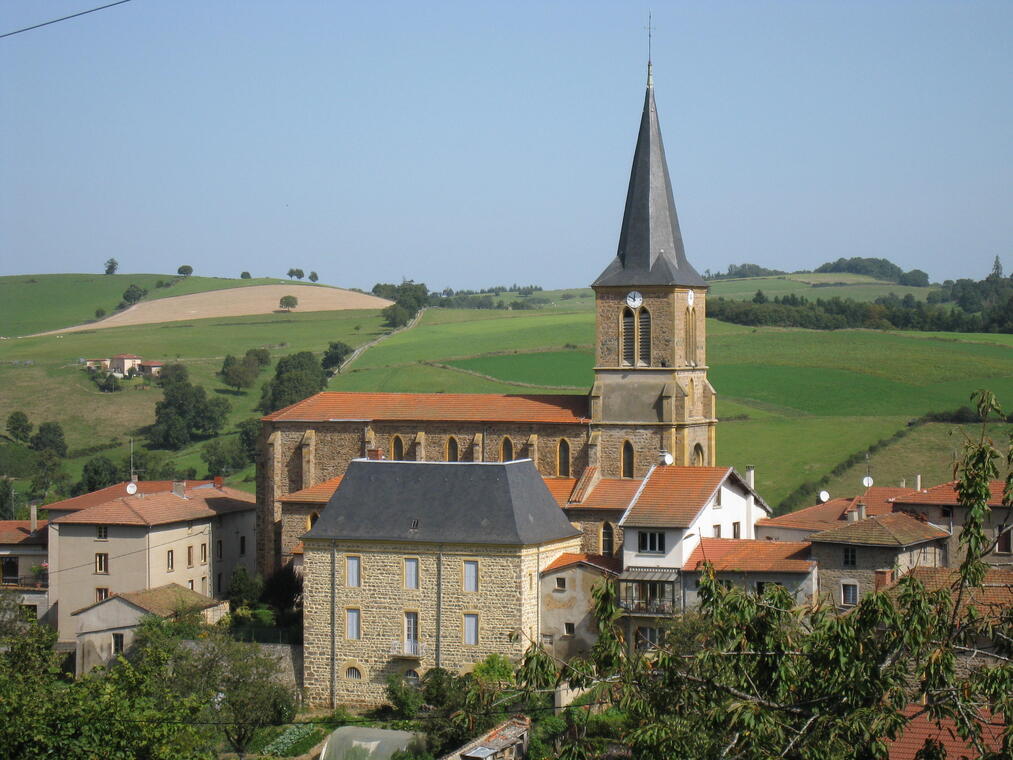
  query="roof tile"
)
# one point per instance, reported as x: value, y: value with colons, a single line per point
x: 321, y: 493
x: 751, y: 555
x: 894, y: 529
x: 600, y: 561
x: 162, y: 508
x: 918, y: 729
x: 946, y: 495
x: 103, y: 495
x: 674, y: 495
x: 20, y: 532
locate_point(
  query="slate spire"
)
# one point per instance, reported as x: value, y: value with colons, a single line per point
x: 650, y: 242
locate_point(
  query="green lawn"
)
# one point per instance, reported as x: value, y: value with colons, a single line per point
x: 33, y: 303
x: 812, y: 286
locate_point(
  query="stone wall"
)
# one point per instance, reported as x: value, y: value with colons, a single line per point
x: 590, y: 521
x: 506, y: 604
x: 868, y: 559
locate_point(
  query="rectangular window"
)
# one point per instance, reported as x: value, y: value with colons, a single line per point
x: 353, y: 578
x: 102, y: 563
x: 471, y: 575
x: 736, y: 530
x: 849, y: 594
x: 203, y: 554
x: 651, y: 542
x: 471, y: 629
x: 647, y: 637
x: 569, y: 629
x: 561, y: 584
x: 117, y: 643
x: 850, y: 556
x: 204, y: 585
x: 218, y: 549
x: 717, y: 531
x: 1004, y: 544
x: 717, y: 498
x: 189, y: 584
x: 242, y: 546
x: 101, y: 593
x: 102, y: 532
x: 189, y: 556
x: 411, y: 633
x: 352, y: 624
x: 170, y: 562
x: 411, y: 572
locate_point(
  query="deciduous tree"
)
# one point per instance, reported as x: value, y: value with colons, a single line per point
x: 50, y: 437
x: 288, y: 302
x: 18, y: 426
x: 336, y: 353
x: 111, y: 266
x: 313, y: 277
x: 186, y: 270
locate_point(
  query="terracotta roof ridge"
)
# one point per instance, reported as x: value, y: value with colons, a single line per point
x: 640, y: 490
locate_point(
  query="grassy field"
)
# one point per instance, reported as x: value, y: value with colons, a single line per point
x: 796, y: 402
x: 70, y: 299
x: 41, y: 376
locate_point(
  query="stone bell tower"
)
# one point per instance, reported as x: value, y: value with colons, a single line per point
x: 651, y: 392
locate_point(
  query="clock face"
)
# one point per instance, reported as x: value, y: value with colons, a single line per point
x: 634, y: 299
x: 690, y: 296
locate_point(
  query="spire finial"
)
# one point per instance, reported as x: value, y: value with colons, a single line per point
x: 650, y: 73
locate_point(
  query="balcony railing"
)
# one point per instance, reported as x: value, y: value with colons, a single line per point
x: 407, y: 648
x: 26, y: 581
x: 647, y: 606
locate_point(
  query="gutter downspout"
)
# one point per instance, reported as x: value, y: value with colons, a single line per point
x: 334, y: 665
x: 538, y: 594
x: 439, y: 601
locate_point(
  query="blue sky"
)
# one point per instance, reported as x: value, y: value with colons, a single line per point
x: 475, y: 143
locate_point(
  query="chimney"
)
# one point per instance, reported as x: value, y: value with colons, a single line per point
x: 179, y: 488
x: 883, y: 579
x: 374, y: 453
x: 751, y: 476
x: 903, y: 482
x: 852, y: 515
x: 218, y: 481
x: 860, y: 507
x: 34, y: 510
x: 918, y: 482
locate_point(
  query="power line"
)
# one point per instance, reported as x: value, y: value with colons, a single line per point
x: 64, y: 18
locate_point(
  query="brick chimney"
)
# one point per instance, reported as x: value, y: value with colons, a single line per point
x: 179, y: 488
x: 883, y: 579
x: 374, y: 453
x: 219, y: 481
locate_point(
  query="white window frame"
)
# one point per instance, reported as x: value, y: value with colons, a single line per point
x: 411, y: 573
x: 353, y: 561
x: 845, y: 584
x: 469, y: 582
x: 470, y: 629
x: 353, y: 623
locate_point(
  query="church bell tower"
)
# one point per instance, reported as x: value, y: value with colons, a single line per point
x: 651, y: 393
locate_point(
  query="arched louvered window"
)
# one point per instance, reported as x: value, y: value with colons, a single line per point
x: 608, y: 539
x: 397, y: 448
x: 563, y: 459
x: 628, y: 460
x: 312, y: 520
x: 629, y: 337
x: 691, y: 353
x: 644, y: 357
x: 507, y: 450
x: 353, y: 673
x: 698, y: 456
x: 452, y: 453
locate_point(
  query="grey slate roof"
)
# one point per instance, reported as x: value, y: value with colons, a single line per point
x: 453, y: 502
x: 650, y: 242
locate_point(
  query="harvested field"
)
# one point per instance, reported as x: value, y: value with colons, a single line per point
x: 234, y: 302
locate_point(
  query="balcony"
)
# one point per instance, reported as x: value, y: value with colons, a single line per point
x: 409, y: 649
x: 647, y: 606
x: 25, y: 582
x: 648, y: 591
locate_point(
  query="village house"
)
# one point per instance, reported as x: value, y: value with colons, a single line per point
x: 107, y: 628
x: 650, y: 395
x: 121, y: 364
x: 414, y: 565
x: 151, y: 368
x: 23, y: 558
x: 802, y: 523
x: 136, y: 536
x: 568, y: 627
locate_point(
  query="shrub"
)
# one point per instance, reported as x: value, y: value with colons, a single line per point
x: 406, y: 699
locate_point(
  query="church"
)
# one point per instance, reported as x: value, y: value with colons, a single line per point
x: 650, y: 401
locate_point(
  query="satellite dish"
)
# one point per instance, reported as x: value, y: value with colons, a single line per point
x: 667, y: 458
x: 131, y: 488
x: 867, y: 481
x: 824, y: 497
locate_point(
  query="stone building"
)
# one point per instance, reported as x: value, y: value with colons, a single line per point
x: 414, y: 565
x: 568, y: 626
x: 864, y: 555
x: 650, y: 392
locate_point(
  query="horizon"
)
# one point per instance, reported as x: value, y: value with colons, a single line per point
x: 467, y: 147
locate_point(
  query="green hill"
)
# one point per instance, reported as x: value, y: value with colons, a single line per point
x: 34, y: 303
x: 795, y: 402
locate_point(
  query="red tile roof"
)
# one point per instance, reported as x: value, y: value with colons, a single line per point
x: 125, y: 356
x: 600, y: 561
x: 610, y: 493
x: 162, y: 508
x: 946, y: 495
x: 298, y: 549
x: 877, y: 500
x: 336, y: 406
x: 20, y: 532
x: 751, y: 555
x: 321, y: 493
x: 120, y: 489
x: 152, y: 363
x: 674, y: 495
x: 995, y: 594
x: 894, y: 529
x: 920, y: 728
x: 560, y: 488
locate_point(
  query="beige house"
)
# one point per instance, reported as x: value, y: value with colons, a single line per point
x: 23, y: 561
x: 107, y: 628
x: 123, y: 541
x: 414, y: 565
x: 121, y: 364
x: 568, y: 627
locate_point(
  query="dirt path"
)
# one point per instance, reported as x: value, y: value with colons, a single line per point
x: 232, y: 302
